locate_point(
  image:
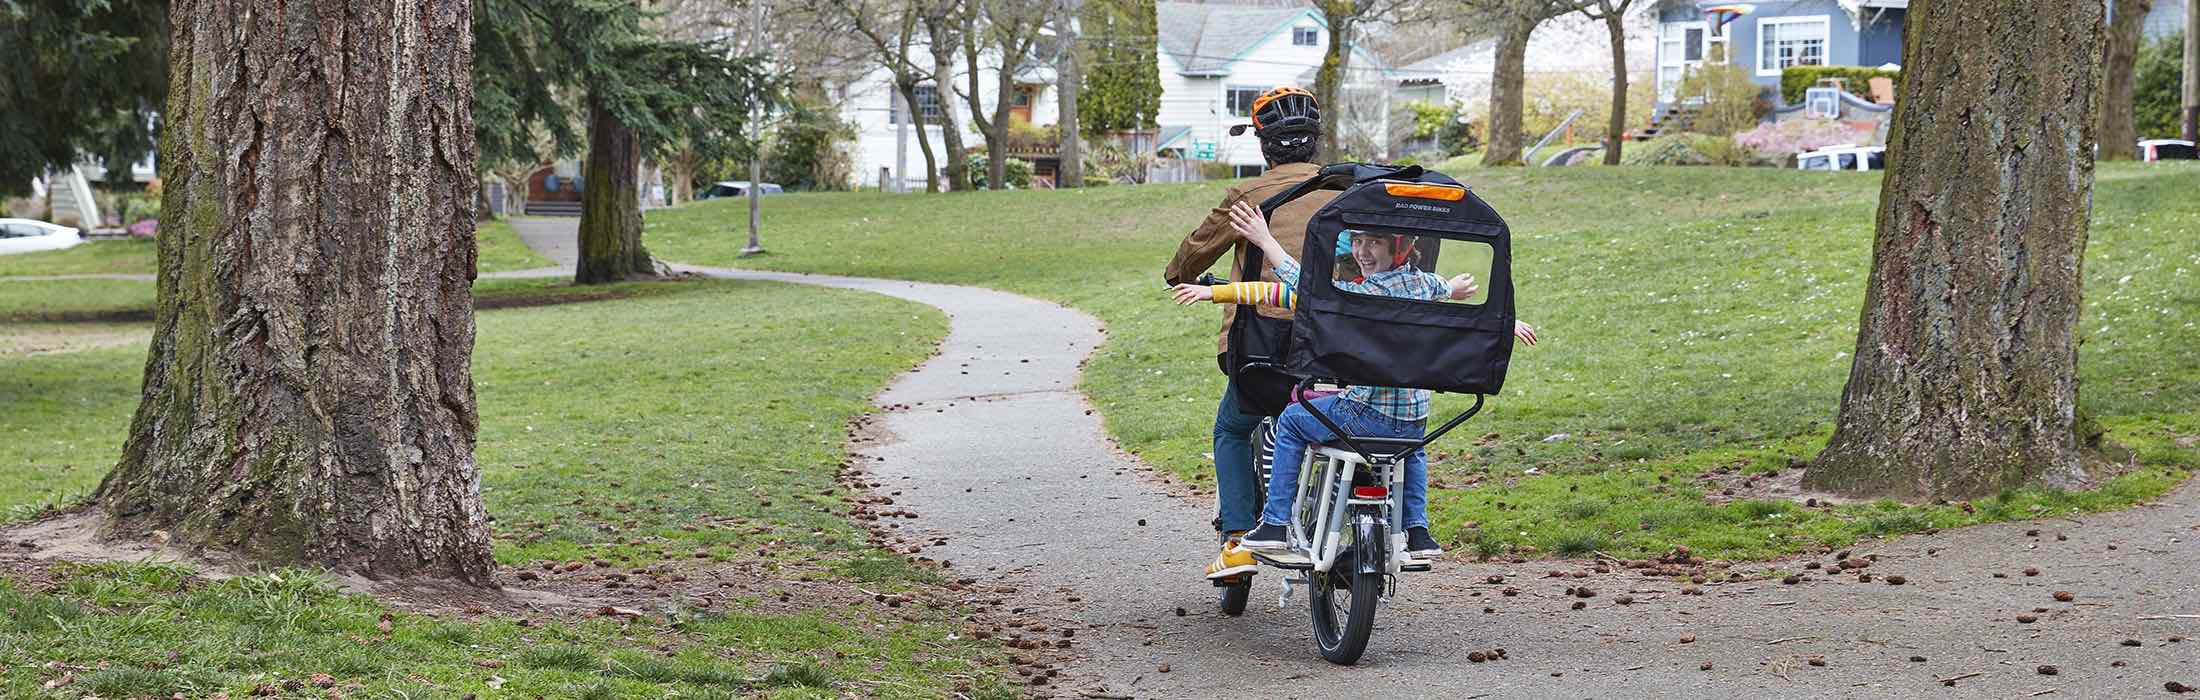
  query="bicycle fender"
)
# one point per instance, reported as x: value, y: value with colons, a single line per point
x: 1372, y: 545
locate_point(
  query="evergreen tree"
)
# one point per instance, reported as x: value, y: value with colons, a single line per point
x: 84, y: 77
x: 1122, y: 89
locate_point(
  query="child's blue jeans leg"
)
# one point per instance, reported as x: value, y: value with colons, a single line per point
x: 1295, y: 430
x: 1416, y: 488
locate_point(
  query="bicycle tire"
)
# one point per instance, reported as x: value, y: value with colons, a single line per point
x: 1342, y: 641
x: 1234, y: 597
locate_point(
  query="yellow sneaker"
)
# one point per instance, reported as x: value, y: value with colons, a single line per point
x: 1232, y: 562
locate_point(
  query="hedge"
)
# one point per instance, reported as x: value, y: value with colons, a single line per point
x: 1794, y: 81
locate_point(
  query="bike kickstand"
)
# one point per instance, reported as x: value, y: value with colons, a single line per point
x: 1289, y: 583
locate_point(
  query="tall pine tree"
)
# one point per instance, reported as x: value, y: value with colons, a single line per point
x: 1122, y: 90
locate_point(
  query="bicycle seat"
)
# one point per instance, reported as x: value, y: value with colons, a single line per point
x: 1377, y: 447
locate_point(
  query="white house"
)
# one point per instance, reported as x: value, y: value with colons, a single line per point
x: 1570, y: 43
x: 1215, y: 59
x: 873, y: 105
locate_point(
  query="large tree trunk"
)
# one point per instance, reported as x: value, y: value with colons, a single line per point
x: 308, y: 397
x: 908, y: 88
x: 1069, y: 79
x: 1615, y: 131
x: 2119, y: 137
x: 1965, y: 379
x: 611, y: 210
x: 1508, y: 82
x: 1329, y: 78
x: 996, y: 133
x: 943, y: 45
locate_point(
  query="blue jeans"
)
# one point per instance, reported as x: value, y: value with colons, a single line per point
x: 1297, y: 429
x: 1237, y: 481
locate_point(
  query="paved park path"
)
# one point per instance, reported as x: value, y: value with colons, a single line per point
x: 992, y: 445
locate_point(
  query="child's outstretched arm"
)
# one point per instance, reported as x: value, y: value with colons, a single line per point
x: 1257, y: 293
x: 1249, y: 224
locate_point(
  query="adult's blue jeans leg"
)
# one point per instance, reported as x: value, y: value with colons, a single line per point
x: 1237, y: 481
x: 1416, y: 488
x: 1295, y: 430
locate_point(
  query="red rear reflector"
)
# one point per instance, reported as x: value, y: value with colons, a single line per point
x: 1370, y: 492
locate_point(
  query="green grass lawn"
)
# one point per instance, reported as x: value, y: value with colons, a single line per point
x: 645, y: 439
x: 499, y: 249
x: 1695, y: 321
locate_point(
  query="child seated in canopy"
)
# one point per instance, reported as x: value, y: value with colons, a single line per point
x: 1370, y: 411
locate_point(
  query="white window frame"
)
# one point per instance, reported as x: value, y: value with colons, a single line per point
x: 1316, y: 31
x: 1825, y: 40
x: 1667, y: 87
x: 1227, y: 89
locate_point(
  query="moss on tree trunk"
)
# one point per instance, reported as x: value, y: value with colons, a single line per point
x: 611, y: 210
x: 307, y: 397
x: 1965, y: 378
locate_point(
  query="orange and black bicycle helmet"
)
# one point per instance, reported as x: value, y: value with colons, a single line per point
x: 1286, y: 114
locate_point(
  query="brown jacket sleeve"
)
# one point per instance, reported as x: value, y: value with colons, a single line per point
x: 1206, y: 244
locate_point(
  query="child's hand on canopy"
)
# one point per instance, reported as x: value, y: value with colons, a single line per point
x: 1524, y: 332
x: 1463, y: 286
x: 1247, y: 221
x: 1189, y: 294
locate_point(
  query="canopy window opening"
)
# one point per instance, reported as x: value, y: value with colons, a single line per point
x: 1412, y: 265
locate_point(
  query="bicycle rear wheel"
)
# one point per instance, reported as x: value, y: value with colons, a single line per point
x: 1235, y: 595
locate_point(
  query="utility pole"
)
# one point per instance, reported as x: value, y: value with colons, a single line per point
x: 2191, y: 114
x: 756, y: 140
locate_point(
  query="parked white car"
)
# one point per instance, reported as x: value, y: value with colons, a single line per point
x: 2166, y: 149
x: 1857, y: 158
x: 26, y: 235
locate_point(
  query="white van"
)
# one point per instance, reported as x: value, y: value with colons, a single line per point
x: 1843, y: 158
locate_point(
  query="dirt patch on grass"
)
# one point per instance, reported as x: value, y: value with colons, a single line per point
x: 48, y: 339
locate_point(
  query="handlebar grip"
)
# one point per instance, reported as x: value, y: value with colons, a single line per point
x: 1208, y: 279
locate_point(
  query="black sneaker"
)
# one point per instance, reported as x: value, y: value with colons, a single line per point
x: 1420, y: 545
x: 1267, y: 538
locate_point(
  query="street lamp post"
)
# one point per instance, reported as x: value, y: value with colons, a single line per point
x: 756, y: 141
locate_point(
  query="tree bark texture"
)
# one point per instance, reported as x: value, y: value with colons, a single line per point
x: 1965, y: 378
x: 1508, y: 83
x: 943, y: 45
x: 308, y: 396
x: 611, y: 208
x: 1069, y: 79
x: 1329, y: 78
x: 908, y: 88
x: 1615, y: 132
x: 2119, y: 137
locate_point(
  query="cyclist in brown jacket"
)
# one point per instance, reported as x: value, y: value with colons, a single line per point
x: 1288, y: 122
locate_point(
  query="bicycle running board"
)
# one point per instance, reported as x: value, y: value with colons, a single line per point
x: 1294, y: 561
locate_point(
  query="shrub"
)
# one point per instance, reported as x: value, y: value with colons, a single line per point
x: 1794, y: 81
x: 1732, y: 101
x: 1017, y: 170
x: 805, y: 149
x: 1688, y: 149
x: 1549, y: 97
x: 1440, y: 122
x: 1797, y: 135
x: 2154, y: 94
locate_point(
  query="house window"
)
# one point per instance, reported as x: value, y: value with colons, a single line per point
x: 928, y: 105
x: 1240, y: 100
x: 1783, y: 42
x: 1246, y: 170
x: 1306, y: 36
x: 1692, y: 44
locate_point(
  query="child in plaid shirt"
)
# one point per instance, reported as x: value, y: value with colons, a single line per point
x: 1360, y: 410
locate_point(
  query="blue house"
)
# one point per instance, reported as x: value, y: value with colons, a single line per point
x: 1769, y: 36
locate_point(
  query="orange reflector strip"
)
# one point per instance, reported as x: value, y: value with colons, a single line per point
x: 1370, y: 492
x: 1422, y: 191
